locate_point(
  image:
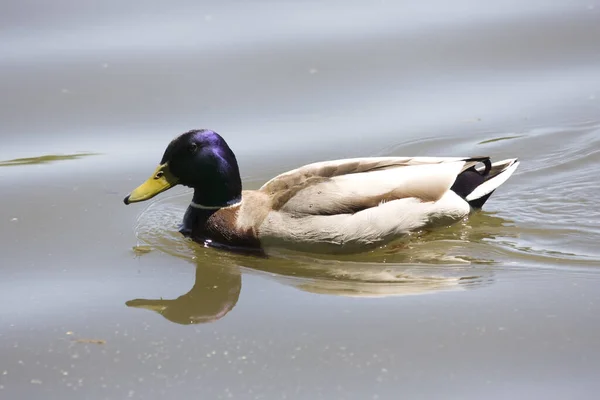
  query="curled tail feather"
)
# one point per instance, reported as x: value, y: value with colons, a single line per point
x: 476, y: 184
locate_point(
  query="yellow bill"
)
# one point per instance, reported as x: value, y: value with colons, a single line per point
x: 161, y: 180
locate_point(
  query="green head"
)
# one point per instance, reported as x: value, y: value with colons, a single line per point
x: 200, y: 159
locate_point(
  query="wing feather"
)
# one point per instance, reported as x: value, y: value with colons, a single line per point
x: 352, y: 185
x: 355, y: 232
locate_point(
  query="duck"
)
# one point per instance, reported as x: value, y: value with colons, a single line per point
x: 340, y: 206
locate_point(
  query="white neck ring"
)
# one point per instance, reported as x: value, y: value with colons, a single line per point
x: 203, y: 207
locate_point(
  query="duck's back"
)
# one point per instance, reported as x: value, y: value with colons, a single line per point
x: 360, y: 202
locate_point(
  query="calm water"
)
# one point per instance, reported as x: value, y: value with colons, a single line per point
x: 506, y: 304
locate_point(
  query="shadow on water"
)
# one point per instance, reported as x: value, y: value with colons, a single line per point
x: 449, y: 259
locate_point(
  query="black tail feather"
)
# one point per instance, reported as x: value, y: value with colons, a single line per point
x: 478, y: 203
x: 471, y: 178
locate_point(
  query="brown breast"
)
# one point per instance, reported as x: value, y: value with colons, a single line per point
x: 221, y: 227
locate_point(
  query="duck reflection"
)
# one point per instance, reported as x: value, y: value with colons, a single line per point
x: 215, y: 292
x: 428, y: 263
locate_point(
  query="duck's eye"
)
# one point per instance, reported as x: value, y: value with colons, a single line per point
x: 159, y: 175
x: 193, y: 148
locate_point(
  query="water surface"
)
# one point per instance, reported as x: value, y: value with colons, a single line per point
x: 106, y: 301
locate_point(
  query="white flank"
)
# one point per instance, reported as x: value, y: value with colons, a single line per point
x: 354, y: 231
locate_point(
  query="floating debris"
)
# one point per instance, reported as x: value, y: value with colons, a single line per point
x: 43, y: 159
x: 499, y: 139
x: 90, y: 341
x: 141, y: 249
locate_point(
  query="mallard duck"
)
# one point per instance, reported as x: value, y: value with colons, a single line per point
x: 340, y: 206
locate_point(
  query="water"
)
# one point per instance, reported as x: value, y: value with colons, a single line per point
x: 105, y: 301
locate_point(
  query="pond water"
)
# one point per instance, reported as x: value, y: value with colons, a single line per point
x: 104, y: 301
